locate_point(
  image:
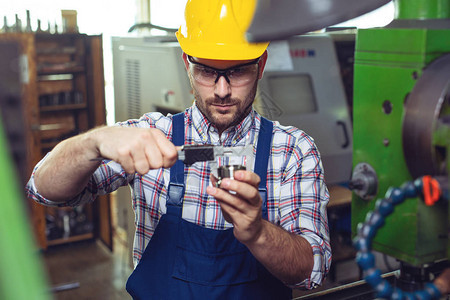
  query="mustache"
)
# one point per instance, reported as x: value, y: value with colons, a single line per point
x: 221, y: 101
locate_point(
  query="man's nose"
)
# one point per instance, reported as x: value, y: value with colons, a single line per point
x: 222, y: 87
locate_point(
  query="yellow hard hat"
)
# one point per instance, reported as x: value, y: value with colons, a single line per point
x: 215, y: 29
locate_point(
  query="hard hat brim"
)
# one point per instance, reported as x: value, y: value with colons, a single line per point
x: 241, y: 51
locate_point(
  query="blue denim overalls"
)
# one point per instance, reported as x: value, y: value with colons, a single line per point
x: 187, y: 261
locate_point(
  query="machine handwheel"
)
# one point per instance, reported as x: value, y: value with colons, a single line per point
x: 427, y: 117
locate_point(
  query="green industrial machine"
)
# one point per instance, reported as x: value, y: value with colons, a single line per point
x: 400, y: 110
x: 402, y: 125
x: 401, y: 129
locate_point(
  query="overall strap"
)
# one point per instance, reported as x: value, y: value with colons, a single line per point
x: 176, y: 184
x: 262, y: 160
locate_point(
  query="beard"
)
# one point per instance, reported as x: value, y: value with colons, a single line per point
x: 239, y: 108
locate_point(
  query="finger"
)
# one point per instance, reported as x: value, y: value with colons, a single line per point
x: 142, y: 145
x: 125, y: 160
x: 167, y: 149
x: 243, y: 190
x: 154, y: 156
x: 237, y: 211
x: 236, y: 208
x: 140, y: 161
x: 248, y: 177
x: 149, y: 142
x: 223, y: 196
x: 229, y: 211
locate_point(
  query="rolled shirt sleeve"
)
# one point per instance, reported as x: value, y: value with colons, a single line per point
x: 303, y: 198
x: 108, y: 177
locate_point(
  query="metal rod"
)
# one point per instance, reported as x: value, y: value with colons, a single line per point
x: 65, y: 287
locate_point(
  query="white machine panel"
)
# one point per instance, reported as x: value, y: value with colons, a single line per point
x: 149, y: 75
x: 302, y: 86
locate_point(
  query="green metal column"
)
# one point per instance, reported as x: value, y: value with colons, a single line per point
x: 21, y: 271
x: 388, y: 62
x: 422, y: 9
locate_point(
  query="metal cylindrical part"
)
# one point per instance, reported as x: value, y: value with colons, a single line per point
x: 422, y: 9
x: 227, y: 171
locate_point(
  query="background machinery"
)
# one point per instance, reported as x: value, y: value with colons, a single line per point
x: 408, y: 64
x: 292, y: 90
x: 401, y: 119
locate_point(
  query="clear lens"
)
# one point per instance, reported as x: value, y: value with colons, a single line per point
x: 246, y: 73
x: 205, y: 74
x: 238, y: 76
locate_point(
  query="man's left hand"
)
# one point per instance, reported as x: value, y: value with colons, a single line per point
x: 286, y: 255
x: 241, y: 203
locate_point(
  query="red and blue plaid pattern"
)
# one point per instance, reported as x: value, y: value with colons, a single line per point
x: 297, y: 194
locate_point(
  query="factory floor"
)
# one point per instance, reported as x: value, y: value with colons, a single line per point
x: 89, y: 270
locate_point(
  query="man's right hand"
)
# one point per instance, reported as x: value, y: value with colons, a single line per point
x: 66, y: 171
x: 135, y: 149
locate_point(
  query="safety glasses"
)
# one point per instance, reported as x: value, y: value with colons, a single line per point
x: 235, y: 76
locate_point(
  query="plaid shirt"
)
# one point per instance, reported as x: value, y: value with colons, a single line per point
x: 296, y: 193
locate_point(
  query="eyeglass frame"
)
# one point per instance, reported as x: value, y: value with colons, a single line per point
x: 223, y: 72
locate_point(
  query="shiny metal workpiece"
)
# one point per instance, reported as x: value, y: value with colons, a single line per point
x: 227, y: 171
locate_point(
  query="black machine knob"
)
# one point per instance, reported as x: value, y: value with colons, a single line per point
x: 364, y: 182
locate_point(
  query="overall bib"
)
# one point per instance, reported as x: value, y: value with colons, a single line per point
x: 187, y: 261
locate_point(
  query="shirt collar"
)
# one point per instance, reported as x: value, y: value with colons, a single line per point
x: 230, y: 136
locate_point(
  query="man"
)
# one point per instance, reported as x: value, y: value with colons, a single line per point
x: 195, y: 240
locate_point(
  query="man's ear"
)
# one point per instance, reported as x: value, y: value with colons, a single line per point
x: 262, y: 64
x: 186, y: 63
